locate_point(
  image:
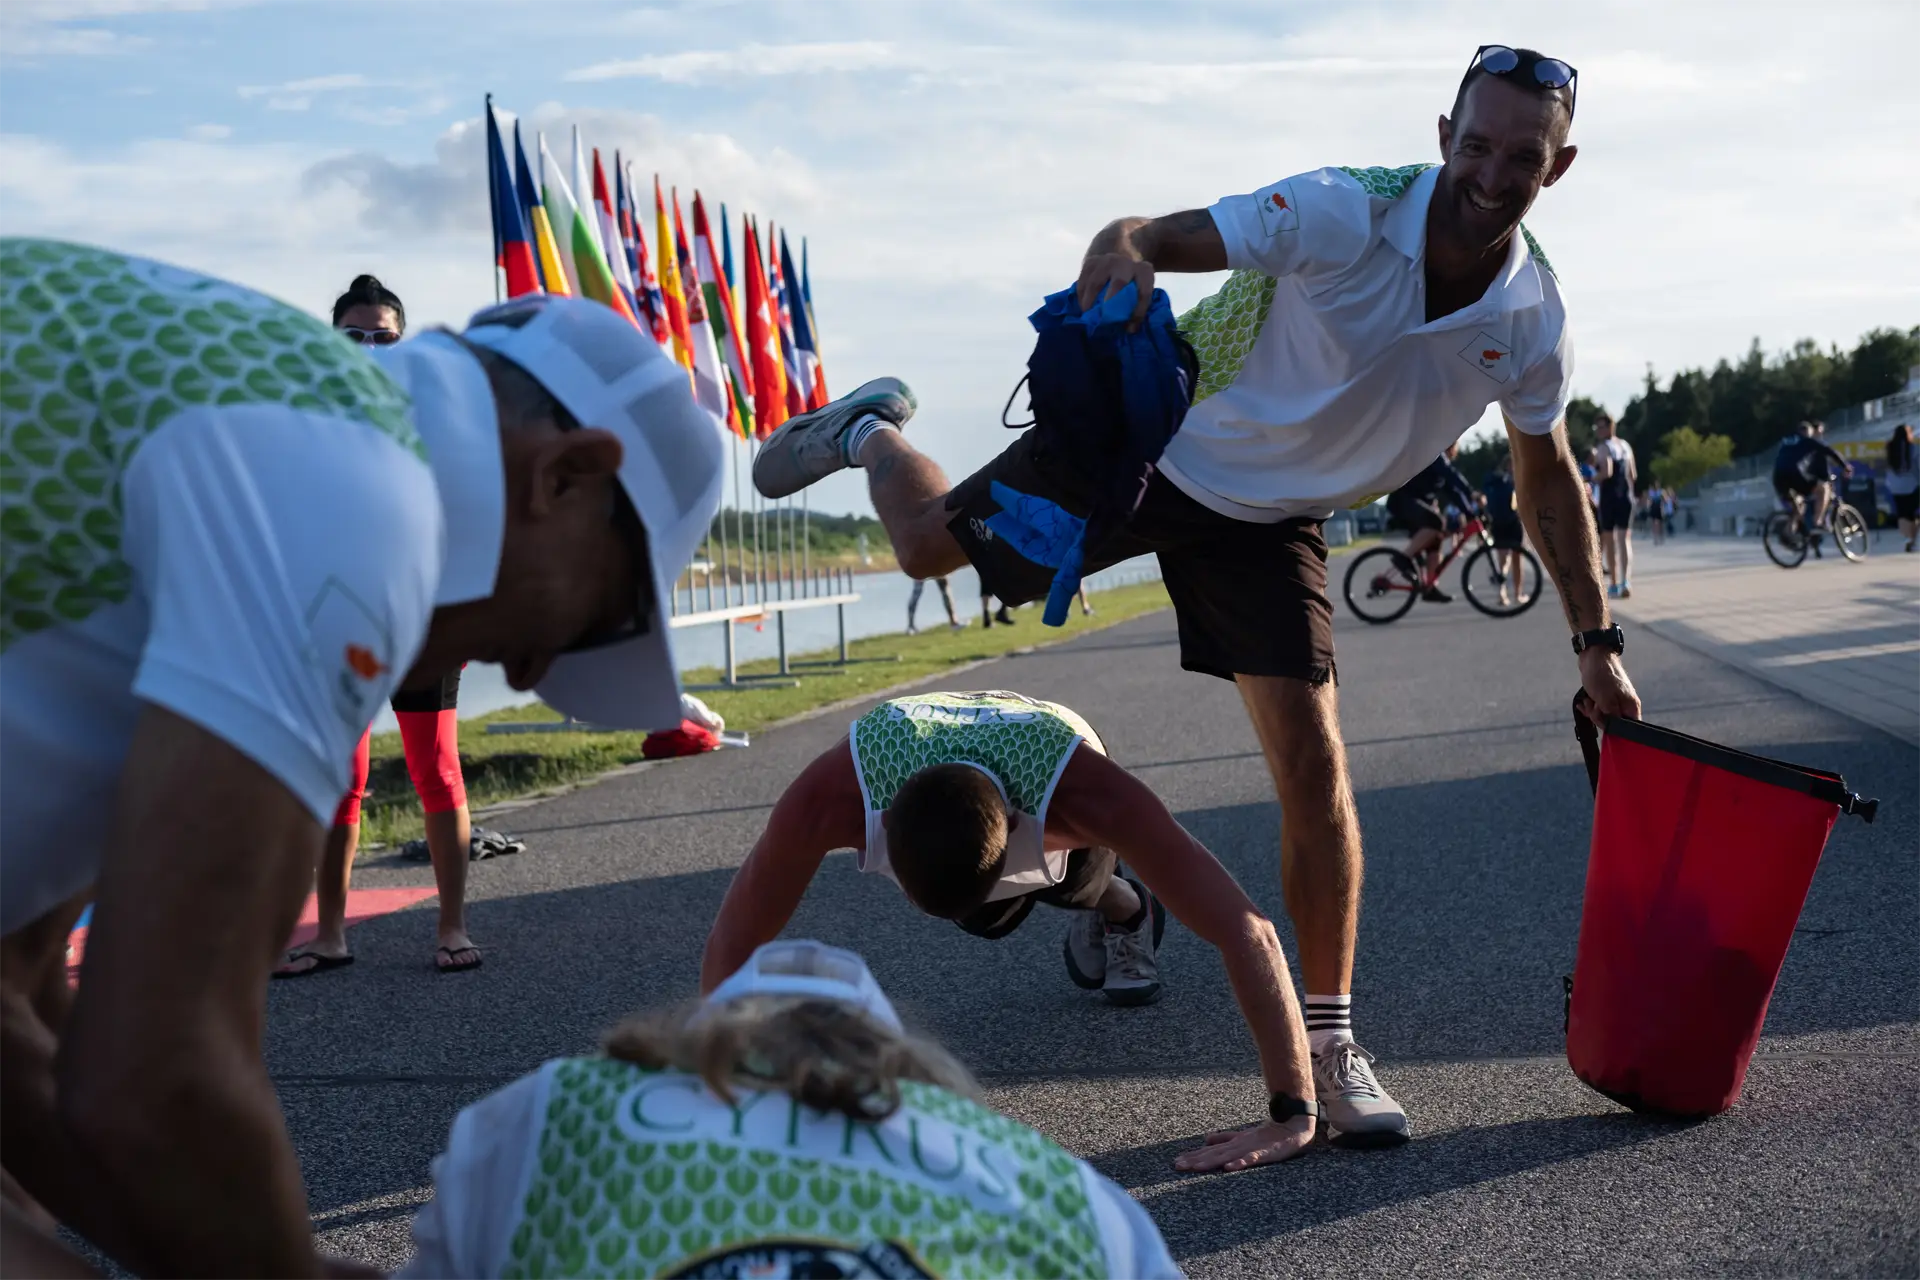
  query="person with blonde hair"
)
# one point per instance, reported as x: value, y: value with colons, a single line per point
x: 787, y: 1124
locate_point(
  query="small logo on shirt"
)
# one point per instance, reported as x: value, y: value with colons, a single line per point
x: 352, y: 649
x: 1489, y: 355
x: 363, y: 662
x: 1277, y: 211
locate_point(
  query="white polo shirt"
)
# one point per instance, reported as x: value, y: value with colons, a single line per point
x: 1338, y: 389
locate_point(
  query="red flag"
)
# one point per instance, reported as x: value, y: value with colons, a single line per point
x: 763, y: 340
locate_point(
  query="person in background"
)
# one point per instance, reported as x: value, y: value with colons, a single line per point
x: 1656, y: 510
x: 370, y: 314
x: 1903, y: 481
x: 1615, y: 475
x: 793, y: 1085
x: 946, y: 599
x: 1417, y: 505
x: 1802, y: 469
x: 1503, y: 524
x: 988, y: 617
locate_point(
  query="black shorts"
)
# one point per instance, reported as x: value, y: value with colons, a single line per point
x: 1508, y: 535
x: 1088, y: 873
x: 1906, y: 506
x: 1416, y: 513
x: 1250, y: 599
x: 1616, y: 511
x: 444, y: 696
x: 1790, y: 482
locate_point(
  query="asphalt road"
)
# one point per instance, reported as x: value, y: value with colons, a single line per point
x: 1476, y: 815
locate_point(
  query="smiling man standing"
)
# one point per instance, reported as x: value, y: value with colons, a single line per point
x: 1371, y: 317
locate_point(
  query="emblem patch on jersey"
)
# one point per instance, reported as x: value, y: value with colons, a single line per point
x: 353, y: 649
x: 1489, y: 355
x: 1277, y: 210
x: 880, y: 1260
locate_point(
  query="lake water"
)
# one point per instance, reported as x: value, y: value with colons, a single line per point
x: 882, y: 608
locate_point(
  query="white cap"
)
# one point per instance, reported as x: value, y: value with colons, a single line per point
x: 610, y: 375
x: 808, y: 969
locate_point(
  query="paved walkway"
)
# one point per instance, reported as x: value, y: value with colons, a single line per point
x: 1846, y: 636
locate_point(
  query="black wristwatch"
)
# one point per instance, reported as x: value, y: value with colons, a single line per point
x: 1284, y: 1107
x: 1612, y: 638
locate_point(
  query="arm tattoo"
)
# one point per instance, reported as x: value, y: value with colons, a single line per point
x: 1548, y: 522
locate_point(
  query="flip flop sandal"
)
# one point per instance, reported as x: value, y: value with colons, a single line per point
x: 320, y: 964
x: 458, y: 967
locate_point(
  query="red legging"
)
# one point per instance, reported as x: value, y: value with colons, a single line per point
x: 432, y: 742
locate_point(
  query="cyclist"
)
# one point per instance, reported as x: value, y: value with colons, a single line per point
x: 230, y: 534
x: 1416, y: 504
x: 1801, y: 471
x: 980, y: 805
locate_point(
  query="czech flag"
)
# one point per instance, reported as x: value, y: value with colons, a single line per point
x: 512, y: 246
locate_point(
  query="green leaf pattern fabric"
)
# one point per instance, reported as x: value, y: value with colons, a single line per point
x: 604, y: 1202
x: 1224, y: 325
x: 97, y: 352
x: 1022, y: 741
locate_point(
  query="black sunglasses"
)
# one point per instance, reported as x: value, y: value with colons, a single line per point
x: 1548, y: 73
x: 370, y: 337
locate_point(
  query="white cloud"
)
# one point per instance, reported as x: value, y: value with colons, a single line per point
x: 704, y: 66
x: 209, y: 132
x: 33, y: 30
x: 309, y: 85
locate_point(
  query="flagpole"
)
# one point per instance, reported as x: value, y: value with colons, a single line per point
x: 495, y: 202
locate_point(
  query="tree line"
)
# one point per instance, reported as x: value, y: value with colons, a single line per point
x: 1703, y: 418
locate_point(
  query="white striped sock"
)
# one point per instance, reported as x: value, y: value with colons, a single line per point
x: 857, y: 435
x: 1329, y: 1020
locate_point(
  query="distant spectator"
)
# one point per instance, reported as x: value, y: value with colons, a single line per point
x: 1616, y: 474
x: 372, y: 315
x: 1903, y: 481
x: 1503, y: 523
x: 1657, y: 503
x: 946, y: 599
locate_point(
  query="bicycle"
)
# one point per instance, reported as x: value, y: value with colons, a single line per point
x: 1788, y: 535
x: 1383, y: 583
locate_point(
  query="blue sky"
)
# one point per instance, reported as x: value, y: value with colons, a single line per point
x: 1746, y: 169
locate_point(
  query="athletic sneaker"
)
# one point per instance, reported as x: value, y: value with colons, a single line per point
x: 1086, y: 950
x: 811, y: 446
x: 1613, y: 591
x: 1436, y: 595
x: 1359, y: 1112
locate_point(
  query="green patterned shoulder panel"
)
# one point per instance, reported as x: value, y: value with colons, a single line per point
x: 98, y: 351
x: 1224, y: 325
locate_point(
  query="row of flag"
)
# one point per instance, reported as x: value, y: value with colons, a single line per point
x: 749, y: 348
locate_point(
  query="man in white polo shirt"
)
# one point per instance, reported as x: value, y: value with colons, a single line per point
x: 226, y: 536
x: 1371, y: 317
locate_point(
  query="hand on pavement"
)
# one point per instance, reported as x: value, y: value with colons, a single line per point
x: 1105, y: 274
x: 1605, y: 681
x: 1230, y: 1150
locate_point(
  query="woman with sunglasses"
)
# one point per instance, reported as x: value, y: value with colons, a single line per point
x: 370, y: 314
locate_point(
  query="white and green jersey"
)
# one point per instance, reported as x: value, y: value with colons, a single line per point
x: 1022, y: 743
x: 591, y: 1167
x: 209, y: 502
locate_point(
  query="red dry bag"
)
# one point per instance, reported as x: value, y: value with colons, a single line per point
x: 1701, y: 860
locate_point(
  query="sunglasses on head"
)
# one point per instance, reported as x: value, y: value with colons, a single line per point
x: 370, y: 337
x: 1548, y: 73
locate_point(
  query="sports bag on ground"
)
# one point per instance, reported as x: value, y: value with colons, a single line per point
x: 1700, y: 862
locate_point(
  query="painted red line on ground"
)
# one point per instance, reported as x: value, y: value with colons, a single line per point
x: 362, y: 904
